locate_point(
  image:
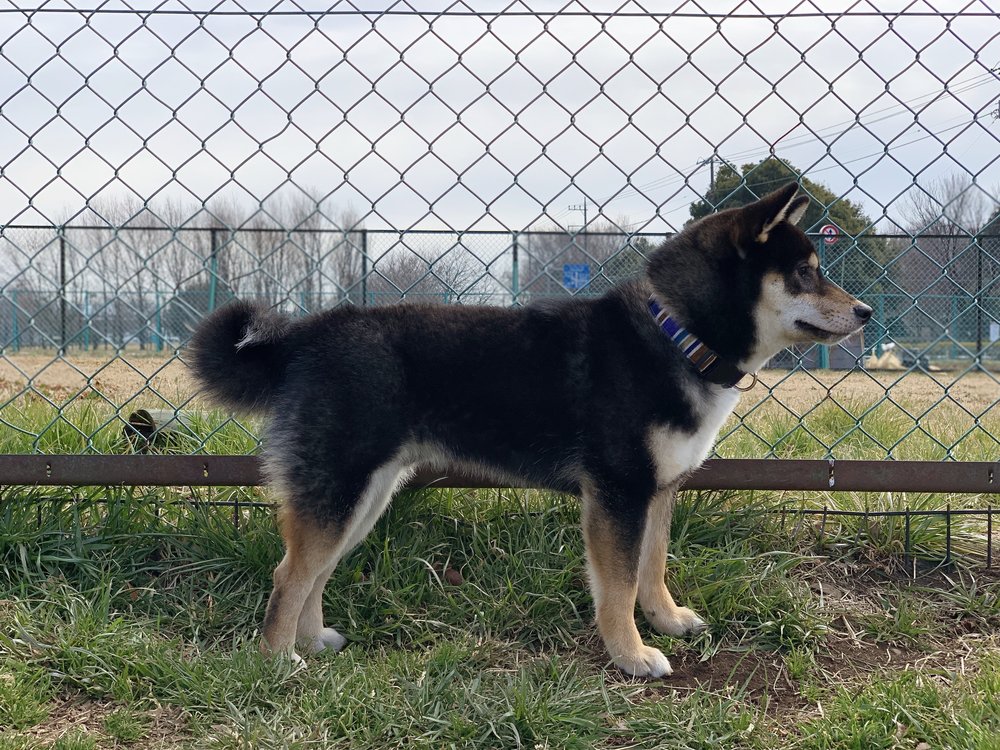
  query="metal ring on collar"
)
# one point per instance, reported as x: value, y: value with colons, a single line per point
x: 744, y: 389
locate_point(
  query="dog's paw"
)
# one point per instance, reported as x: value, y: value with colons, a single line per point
x: 646, y: 662
x: 677, y: 622
x: 284, y: 659
x: 327, y: 639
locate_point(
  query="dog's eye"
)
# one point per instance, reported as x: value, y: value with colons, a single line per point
x: 805, y: 272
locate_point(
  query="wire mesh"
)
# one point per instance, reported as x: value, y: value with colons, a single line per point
x: 159, y: 162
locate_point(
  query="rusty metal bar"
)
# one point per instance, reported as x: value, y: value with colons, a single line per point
x: 721, y: 474
x: 221, y: 471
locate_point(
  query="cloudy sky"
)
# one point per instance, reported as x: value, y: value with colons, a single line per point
x: 426, y: 115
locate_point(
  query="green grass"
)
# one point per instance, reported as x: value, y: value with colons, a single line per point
x: 853, y: 428
x: 124, y: 726
x: 845, y: 427
x: 937, y: 707
x: 128, y: 618
x: 89, y: 423
x: 140, y: 611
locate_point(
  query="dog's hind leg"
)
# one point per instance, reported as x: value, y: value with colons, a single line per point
x: 613, y: 561
x: 310, y: 549
x: 311, y: 635
x: 654, y: 596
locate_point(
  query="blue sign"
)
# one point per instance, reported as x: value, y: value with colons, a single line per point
x: 576, y: 275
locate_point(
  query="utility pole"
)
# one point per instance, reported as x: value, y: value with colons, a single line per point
x: 711, y: 169
x: 582, y: 207
x: 710, y: 161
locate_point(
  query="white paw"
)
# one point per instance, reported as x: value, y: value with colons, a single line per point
x: 327, y: 639
x: 678, y: 622
x: 646, y: 662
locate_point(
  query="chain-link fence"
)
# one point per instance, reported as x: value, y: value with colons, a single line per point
x: 155, y: 163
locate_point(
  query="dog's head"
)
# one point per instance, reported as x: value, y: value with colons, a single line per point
x: 747, y: 282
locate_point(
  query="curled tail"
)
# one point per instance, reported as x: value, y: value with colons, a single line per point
x: 238, y: 355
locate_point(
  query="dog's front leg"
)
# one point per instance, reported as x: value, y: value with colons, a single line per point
x: 654, y: 596
x: 613, y: 561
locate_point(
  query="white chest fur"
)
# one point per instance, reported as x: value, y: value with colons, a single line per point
x: 676, y: 452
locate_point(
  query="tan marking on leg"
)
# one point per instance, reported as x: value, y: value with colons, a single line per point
x: 309, y: 550
x: 613, y: 585
x: 311, y: 635
x: 657, y: 604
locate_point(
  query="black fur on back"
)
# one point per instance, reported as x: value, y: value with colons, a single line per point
x: 238, y: 354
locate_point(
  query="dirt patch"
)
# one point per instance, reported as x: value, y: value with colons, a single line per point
x: 164, y: 728
x: 763, y: 677
x: 846, y: 657
x: 802, y: 391
x: 754, y: 674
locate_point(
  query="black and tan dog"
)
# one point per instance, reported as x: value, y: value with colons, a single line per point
x: 614, y: 399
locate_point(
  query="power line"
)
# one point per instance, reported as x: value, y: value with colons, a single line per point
x: 800, y: 140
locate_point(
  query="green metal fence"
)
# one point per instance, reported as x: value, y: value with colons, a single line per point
x: 158, y: 163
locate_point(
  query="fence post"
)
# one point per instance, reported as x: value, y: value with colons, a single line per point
x: 364, y: 267
x: 213, y: 268
x: 953, y: 328
x: 159, y: 321
x: 16, y: 334
x: 62, y: 290
x: 885, y: 326
x: 823, y: 358
x: 979, y: 302
x: 515, y: 281
x: 86, y: 315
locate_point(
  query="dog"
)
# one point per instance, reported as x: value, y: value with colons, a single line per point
x: 615, y: 399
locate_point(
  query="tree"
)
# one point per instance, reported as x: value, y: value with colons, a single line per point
x: 755, y: 180
x: 856, y: 260
x: 401, y: 274
x: 950, y: 260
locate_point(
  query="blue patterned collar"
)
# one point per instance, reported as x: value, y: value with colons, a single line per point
x: 708, y: 364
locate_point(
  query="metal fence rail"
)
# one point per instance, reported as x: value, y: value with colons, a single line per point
x: 156, y: 163
x: 978, y: 477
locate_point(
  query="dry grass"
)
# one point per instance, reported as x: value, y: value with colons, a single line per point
x: 122, y: 378
x: 119, y: 378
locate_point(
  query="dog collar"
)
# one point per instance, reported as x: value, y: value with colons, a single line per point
x: 710, y: 366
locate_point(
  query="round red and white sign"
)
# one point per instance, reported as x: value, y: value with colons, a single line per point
x: 830, y: 233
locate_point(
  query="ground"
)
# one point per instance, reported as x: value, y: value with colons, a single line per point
x: 129, y: 619
x: 123, y: 377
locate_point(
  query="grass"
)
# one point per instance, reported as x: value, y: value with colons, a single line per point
x: 128, y: 619
x: 855, y: 428
x: 940, y: 709
x: 933, y: 427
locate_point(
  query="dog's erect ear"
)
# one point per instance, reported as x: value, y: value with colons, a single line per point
x: 760, y: 217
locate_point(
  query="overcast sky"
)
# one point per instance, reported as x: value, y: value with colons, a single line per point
x: 502, y: 120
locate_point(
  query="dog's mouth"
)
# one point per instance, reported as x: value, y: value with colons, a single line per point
x: 818, y: 334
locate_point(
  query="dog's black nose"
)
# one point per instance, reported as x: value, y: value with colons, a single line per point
x: 863, y: 312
